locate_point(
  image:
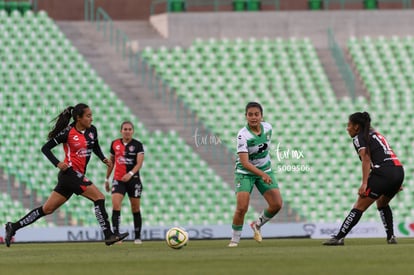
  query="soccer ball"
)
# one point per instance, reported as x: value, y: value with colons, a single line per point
x: 176, y: 237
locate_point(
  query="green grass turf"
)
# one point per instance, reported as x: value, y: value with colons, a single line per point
x: 272, y: 256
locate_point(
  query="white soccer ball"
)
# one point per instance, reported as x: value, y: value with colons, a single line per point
x: 176, y: 237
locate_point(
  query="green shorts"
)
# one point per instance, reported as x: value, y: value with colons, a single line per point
x: 245, y: 183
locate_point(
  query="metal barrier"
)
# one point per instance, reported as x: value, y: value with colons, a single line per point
x: 212, y: 5
x: 406, y: 4
x: 344, y: 68
x: 155, y: 84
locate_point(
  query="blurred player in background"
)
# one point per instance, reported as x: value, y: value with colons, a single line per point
x: 382, y: 176
x: 253, y: 168
x: 79, y: 139
x: 127, y: 154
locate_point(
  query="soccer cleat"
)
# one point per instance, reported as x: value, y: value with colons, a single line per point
x: 233, y: 244
x: 116, y: 238
x: 334, y: 241
x: 392, y: 240
x: 257, y: 235
x: 137, y: 241
x: 9, y: 233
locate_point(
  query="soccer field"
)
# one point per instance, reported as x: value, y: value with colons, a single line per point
x: 272, y: 256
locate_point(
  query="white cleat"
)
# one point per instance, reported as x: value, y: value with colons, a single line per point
x: 137, y: 241
x: 257, y: 235
x: 233, y: 244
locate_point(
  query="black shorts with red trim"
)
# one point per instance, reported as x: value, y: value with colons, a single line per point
x: 385, y: 181
x: 71, y: 182
x: 133, y: 187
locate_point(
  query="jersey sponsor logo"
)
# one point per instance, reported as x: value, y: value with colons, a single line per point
x: 123, y: 160
x: 84, y: 152
x: 118, y: 147
x: 75, y: 137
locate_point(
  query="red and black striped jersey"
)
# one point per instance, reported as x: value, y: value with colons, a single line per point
x: 125, y: 156
x: 78, y: 147
x: 379, y: 148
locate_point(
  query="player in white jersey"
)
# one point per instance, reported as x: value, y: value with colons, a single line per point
x: 253, y: 168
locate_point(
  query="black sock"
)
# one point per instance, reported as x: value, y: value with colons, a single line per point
x: 387, y: 221
x: 137, y: 224
x: 116, y: 221
x: 102, y: 217
x: 350, y: 221
x: 30, y: 218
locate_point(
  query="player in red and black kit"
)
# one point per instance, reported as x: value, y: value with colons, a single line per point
x: 79, y: 140
x: 127, y: 154
x: 382, y: 176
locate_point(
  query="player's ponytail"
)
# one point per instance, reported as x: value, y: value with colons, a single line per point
x: 367, y: 127
x: 362, y: 119
x: 63, y: 119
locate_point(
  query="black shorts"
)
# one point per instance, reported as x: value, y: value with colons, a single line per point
x: 71, y: 182
x: 385, y: 181
x: 133, y: 187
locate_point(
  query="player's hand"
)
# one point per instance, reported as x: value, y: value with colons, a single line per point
x: 107, y: 186
x: 63, y: 166
x: 266, y: 178
x: 362, y: 190
x: 126, y: 177
x: 108, y: 162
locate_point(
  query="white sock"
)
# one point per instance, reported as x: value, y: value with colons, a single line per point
x: 236, y: 236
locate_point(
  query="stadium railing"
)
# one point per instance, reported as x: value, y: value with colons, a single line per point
x: 344, y: 68
x: 139, y: 66
x: 368, y: 4
x: 211, y: 5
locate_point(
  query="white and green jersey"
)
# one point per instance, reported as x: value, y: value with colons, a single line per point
x: 257, y: 146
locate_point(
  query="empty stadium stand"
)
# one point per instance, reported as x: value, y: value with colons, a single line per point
x: 43, y: 73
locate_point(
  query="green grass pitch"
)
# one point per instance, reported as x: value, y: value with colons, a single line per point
x: 272, y: 256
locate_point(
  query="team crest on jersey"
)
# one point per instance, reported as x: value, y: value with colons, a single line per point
x: 131, y: 148
x: 91, y: 135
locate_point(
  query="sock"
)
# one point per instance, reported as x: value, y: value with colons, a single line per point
x: 387, y: 221
x: 264, y: 217
x: 237, y: 230
x: 137, y: 224
x: 350, y: 221
x: 30, y: 218
x: 116, y: 221
x: 102, y: 217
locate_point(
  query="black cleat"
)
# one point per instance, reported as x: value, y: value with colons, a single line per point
x: 116, y: 238
x: 9, y: 233
x: 334, y: 241
x: 392, y: 240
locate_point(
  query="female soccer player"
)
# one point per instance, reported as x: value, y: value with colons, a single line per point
x: 253, y: 168
x: 79, y: 139
x: 382, y: 176
x: 127, y: 154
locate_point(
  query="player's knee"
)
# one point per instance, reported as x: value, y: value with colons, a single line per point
x: 48, y: 210
x: 241, y: 210
x: 276, y: 206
